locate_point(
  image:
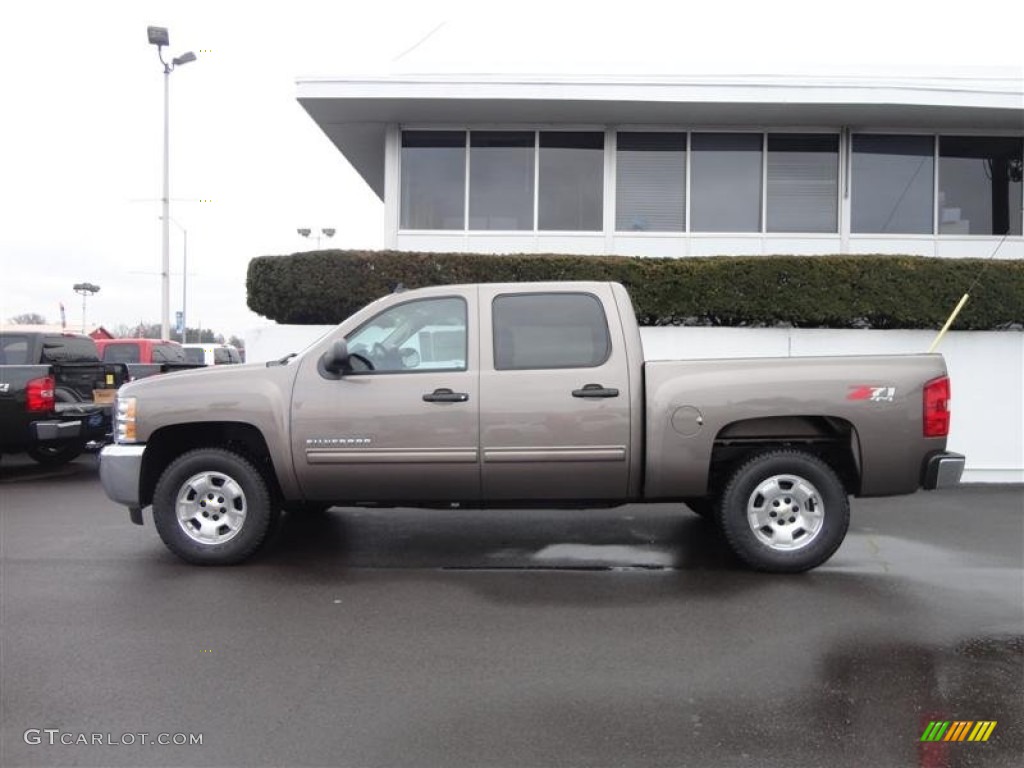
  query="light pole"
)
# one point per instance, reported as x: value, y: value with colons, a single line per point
x: 306, y: 232
x: 85, y: 290
x: 184, y: 281
x: 159, y: 37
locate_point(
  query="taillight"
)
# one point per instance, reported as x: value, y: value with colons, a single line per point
x: 39, y: 394
x: 936, y: 407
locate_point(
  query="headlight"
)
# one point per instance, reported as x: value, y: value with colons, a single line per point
x: 124, y: 420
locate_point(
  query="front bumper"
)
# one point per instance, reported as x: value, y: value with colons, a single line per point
x: 943, y: 470
x: 120, y: 470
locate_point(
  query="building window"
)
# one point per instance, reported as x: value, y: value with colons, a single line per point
x: 571, y: 181
x: 725, y: 182
x: 535, y: 331
x: 501, y: 167
x: 650, y: 182
x: 802, y: 183
x: 893, y: 184
x: 979, y: 185
x: 433, y: 190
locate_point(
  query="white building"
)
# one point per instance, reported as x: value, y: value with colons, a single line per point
x: 686, y: 166
x: 732, y: 164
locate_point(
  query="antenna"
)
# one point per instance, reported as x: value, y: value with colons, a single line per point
x: 966, y: 296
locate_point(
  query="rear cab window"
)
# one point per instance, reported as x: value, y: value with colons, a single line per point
x: 121, y: 353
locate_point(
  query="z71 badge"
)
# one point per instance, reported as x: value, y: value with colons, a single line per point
x: 873, y: 394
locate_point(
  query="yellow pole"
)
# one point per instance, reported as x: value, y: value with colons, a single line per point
x: 949, y: 322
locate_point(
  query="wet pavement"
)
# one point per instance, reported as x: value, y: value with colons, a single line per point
x: 625, y: 637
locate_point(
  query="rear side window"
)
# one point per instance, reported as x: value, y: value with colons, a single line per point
x: 549, y: 330
x: 121, y: 353
x: 69, y: 349
x: 168, y: 353
x: 14, y: 350
x: 195, y: 355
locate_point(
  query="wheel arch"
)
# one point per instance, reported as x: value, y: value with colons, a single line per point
x: 832, y: 439
x: 167, y: 443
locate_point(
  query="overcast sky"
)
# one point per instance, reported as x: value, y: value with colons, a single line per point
x: 82, y: 111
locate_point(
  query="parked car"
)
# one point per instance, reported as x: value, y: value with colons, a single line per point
x: 506, y: 395
x: 145, y: 357
x: 56, y: 396
x: 212, y: 354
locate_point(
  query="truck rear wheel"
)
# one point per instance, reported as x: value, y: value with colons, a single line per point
x: 784, y: 511
x: 56, y: 454
x: 212, y: 507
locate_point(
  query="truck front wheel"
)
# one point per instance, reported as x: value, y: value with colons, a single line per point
x: 784, y: 511
x: 212, y: 507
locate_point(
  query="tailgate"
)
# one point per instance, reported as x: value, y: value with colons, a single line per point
x: 90, y: 382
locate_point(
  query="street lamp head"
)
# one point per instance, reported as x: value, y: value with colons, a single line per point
x: 84, y: 288
x: 329, y: 231
x: 185, y: 58
x: 158, y: 36
x: 304, y: 231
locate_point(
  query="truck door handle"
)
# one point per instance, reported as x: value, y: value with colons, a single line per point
x: 445, y: 395
x: 595, y: 390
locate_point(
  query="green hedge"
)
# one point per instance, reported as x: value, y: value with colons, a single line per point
x: 876, y: 291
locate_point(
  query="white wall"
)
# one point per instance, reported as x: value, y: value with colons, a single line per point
x: 668, y: 244
x: 986, y: 368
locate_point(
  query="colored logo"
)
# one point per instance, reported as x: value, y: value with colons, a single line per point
x: 873, y: 394
x: 958, y: 730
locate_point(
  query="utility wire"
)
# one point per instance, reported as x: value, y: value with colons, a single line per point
x: 421, y: 41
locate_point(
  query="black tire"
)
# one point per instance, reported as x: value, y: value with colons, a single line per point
x: 56, y: 454
x: 216, y: 485
x: 814, y: 505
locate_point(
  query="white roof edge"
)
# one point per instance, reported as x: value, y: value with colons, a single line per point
x: 999, y: 80
x: 1003, y: 92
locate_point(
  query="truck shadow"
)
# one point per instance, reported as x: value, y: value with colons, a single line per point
x: 19, y: 468
x: 657, y: 538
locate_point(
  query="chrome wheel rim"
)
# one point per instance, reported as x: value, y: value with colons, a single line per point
x: 785, y: 512
x: 211, y: 508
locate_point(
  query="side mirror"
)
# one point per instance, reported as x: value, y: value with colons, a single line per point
x: 336, y: 358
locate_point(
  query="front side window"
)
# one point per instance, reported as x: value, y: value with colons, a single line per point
x: 979, y: 185
x: 650, y: 182
x: 433, y: 188
x: 725, y: 182
x: 421, y: 335
x: 501, y: 167
x: 554, y: 330
x: 893, y: 184
x: 802, y: 183
x: 571, y: 181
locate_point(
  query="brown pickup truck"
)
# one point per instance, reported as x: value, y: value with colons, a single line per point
x: 509, y: 395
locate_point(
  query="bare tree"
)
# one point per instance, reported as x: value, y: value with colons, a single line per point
x: 28, y: 318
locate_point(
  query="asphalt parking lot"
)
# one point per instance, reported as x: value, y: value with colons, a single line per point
x: 625, y: 637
